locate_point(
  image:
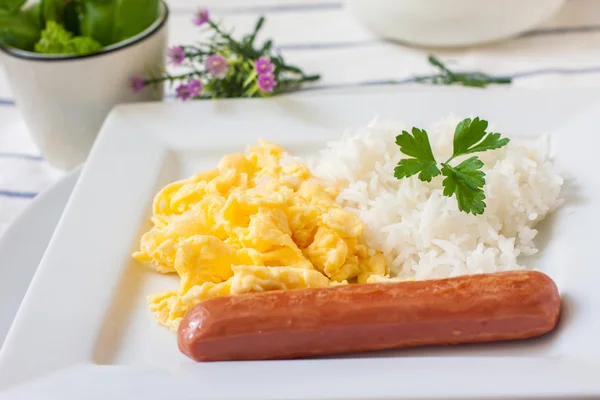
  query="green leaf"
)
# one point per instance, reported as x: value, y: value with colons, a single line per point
x: 266, y: 46
x: 257, y: 28
x: 11, y: 5
x: 466, y: 181
x: 290, y: 68
x: 65, y: 12
x: 491, y: 142
x: 34, y: 14
x: 112, y: 21
x: 134, y: 16
x: 71, y: 21
x: 469, y: 134
x: 415, y: 145
x: 53, y: 10
x: 251, y: 77
x: 19, y: 29
x: 470, y: 172
x: 411, y: 166
x: 97, y: 20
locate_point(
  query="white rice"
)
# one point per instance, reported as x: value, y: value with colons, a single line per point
x: 421, y: 232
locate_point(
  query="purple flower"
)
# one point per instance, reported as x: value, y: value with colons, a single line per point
x: 201, y: 17
x: 217, y: 65
x: 183, y: 92
x: 266, y: 82
x: 264, y: 65
x: 176, y: 55
x: 194, y: 88
x: 137, y: 83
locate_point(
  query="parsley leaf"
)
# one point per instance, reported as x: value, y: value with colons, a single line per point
x: 423, y: 163
x: 469, y: 134
x: 411, y: 166
x: 466, y: 181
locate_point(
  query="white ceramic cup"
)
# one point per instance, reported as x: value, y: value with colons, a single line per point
x: 451, y: 23
x: 65, y: 99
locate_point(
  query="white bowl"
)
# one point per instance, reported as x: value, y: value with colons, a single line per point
x: 450, y: 23
x: 64, y: 98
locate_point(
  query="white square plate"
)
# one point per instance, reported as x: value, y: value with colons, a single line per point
x: 84, y: 329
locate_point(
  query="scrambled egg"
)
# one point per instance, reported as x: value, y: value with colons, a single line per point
x: 252, y: 224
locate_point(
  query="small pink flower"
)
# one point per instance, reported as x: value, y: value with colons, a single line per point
x: 266, y: 82
x: 264, y: 65
x: 176, y: 55
x: 182, y: 92
x: 201, y: 17
x: 137, y: 83
x: 217, y: 65
x: 194, y: 88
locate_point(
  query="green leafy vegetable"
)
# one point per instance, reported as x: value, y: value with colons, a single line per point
x: 466, y: 180
x: 97, y: 20
x: 89, y: 21
x: 11, y: 5
x: 111, y: 21
x: 19, y: 28
x: 57, y: 40
x: 65, y: 12
x: 449, y: 77
x: 53, y: 10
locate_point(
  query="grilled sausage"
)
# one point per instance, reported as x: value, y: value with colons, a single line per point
x: 365, y: 317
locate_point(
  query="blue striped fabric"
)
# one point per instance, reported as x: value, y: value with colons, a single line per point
x: 31, y: 157
x: 21, y: 195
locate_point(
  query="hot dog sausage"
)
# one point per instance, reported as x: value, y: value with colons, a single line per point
x: 365, y: 317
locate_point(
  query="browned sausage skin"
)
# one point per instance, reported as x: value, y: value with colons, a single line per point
x: 366, y: 317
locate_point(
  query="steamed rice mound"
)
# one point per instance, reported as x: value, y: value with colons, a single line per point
x: 421, y: 232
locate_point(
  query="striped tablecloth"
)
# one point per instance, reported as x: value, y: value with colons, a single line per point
x: 321, y: 37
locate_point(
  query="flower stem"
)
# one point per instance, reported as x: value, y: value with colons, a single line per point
x: 171, y: 78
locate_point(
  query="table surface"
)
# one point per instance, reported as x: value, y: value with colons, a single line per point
x: 321, y: 37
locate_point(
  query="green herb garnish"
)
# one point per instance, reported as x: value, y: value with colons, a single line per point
x: 464, y: 180
x: 449, y: 77
x: 57, y: 40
